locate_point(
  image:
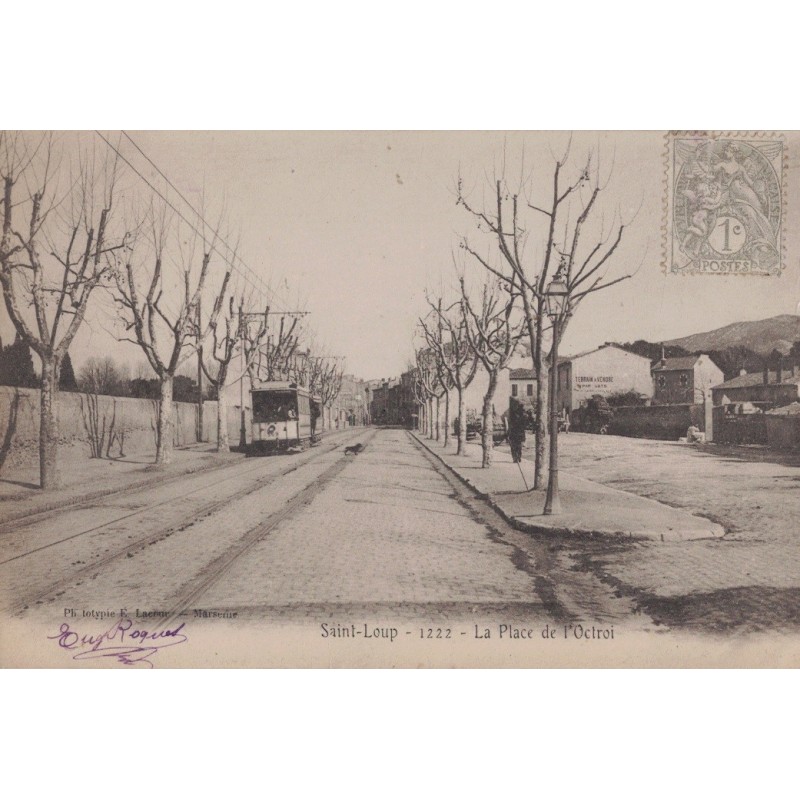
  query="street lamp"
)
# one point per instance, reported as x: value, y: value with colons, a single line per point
x: 556, y: 300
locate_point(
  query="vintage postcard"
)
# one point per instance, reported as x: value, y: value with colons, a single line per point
x: 399, y: 399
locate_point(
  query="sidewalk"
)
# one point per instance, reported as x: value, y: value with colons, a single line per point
x: 84, y: 479
x: 589, y: 509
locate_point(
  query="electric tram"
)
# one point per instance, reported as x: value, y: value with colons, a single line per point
x: 284, y: 417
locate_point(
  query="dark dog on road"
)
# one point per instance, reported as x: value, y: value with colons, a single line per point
x: 353, y: 449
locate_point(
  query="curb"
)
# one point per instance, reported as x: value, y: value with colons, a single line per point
x: 547, y: 530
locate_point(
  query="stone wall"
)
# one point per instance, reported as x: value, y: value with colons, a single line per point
x: 739, y: 428
x: 128, y: 422
x: 783, y: 432
x: 656, y: 422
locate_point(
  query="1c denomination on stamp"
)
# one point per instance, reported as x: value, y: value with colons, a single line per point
x: 724, y: 204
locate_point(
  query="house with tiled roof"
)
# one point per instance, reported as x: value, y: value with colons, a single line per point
x: 769, y: 388
x: 684, y: 380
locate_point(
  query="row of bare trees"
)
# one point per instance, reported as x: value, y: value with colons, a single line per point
x: 70, y: 226
x: 457, y: 339
x: 528, y: 234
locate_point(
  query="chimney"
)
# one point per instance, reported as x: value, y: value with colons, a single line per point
x: 742, y: 371
x: 663, y: 356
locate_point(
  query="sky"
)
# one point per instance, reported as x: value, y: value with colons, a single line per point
x: 354, y: 227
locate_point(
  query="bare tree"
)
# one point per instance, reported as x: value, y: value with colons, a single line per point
x: 99, y: 376
x: 420, y: 396
x: 493, y: 336
x: 445, y: 383
x: 328, y: 382
x: 454, y: 356
x: 440, y: 384
x: 53, y: 254
x: 228, y: 329
x: 424, y: 393
x: 569, y: 204
x: 158, y: 289
x: 427, y: 384
x: 273, y: 356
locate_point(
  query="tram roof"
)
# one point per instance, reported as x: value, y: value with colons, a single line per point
x: 283, y: 386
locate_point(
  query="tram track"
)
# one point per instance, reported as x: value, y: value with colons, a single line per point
x: 129, y: 547
x: 29, y: 519
x: 216, y: 569
x: 126, y: 517
x: 28, y: 522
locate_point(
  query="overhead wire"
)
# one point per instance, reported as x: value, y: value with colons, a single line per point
x: 234, y: 253
x: 263, y: 288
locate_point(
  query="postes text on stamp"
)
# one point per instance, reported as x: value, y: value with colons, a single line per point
x: 724, y: 204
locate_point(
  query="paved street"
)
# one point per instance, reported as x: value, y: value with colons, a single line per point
x: 392, y: 535
x: 387, y: 534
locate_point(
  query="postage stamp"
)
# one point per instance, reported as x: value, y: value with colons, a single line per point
x: 724, y: 203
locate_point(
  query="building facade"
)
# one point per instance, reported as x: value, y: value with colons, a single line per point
x: 605, y: 371
x: 392, y: 400
x: 350, y: 407
x: 685, y: 380
x: 523, y: 385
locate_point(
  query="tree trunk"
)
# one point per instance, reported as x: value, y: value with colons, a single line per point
x: 540, y: 456
x: 446, y: 418
x: 438, y: 401
x: 48, y: 426
x: 462, y: 424
x: 430, y: 418
x: 223, y: 442
x: 164, y: 425
x: 487, y: 432
x: 541, y: 372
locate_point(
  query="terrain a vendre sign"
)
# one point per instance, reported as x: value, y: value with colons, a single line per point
x: 585, y: 382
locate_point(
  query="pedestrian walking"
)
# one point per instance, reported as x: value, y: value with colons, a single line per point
x: 516, y: 429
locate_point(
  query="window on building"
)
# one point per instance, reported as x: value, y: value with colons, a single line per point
x: 684, y: 380
x: 662, y: 381
x: 529, y: 390
x: 514, y: 389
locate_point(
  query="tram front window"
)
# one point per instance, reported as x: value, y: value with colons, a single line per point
x: 273, y: 407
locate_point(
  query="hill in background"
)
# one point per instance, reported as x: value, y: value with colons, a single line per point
x: 740, y: 346
x: 761, y: 336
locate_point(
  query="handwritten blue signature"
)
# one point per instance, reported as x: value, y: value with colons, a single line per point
x: 123, y: 641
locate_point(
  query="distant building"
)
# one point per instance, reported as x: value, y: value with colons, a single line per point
x: 350, y: 406
x: 684, y: 380
x: 604, y: 371
x: 767, y: 388
x: 392, y: 400
x: 381, y: 402
x: 523, y: 385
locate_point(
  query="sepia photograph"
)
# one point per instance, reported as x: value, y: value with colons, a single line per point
x: 399, y: 399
